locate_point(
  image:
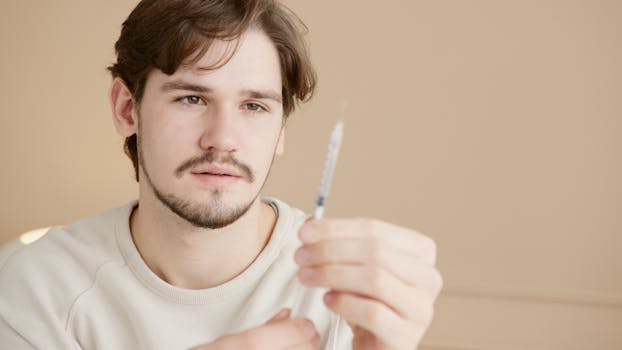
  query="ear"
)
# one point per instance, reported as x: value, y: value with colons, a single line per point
x: 280, y: 145
x: 122, y: 105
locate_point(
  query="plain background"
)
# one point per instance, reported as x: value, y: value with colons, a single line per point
x: 491, y: 126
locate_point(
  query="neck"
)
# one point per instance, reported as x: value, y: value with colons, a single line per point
x: 197, y: 258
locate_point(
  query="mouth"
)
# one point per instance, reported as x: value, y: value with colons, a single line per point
x: 214, y: 175
x: 216, y: 170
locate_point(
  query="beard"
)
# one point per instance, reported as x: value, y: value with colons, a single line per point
x: 214, y: 212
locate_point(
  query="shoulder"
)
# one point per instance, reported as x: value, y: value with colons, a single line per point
x: 48, y: 274
x: 84, y: 242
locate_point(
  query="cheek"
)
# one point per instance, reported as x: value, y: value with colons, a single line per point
x: 163, y: 148
x: 266, y: 150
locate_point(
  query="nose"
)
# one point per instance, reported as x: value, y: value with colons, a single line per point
x: 219, y: 131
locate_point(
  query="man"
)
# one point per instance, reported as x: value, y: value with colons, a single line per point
x: 201, y: 90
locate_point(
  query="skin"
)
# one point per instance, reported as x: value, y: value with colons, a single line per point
x: 381, y: 277
x: 178, y: 125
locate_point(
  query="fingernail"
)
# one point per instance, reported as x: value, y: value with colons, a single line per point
x: 306, y: 274
x: 309, y: 328
x: 316, y: 340
x: 302, y: 255
x: 284, y: 312
x: 308, y: 233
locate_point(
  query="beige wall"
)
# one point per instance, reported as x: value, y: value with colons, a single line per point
x: 492, y: 126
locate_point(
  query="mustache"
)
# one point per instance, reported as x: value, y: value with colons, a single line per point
x: 215, y: 157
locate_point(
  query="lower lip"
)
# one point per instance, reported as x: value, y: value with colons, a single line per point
x: 216, y: 180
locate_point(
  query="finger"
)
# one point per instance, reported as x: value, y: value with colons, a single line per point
x: 379, y: 320
x: 368, y: 281
x: 399, y: 238
x: 276, y: 335
x: 365, y: 252
x: 281, y: 315
x: 312, y: 344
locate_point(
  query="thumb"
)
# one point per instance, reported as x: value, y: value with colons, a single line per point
x: 281, y: 315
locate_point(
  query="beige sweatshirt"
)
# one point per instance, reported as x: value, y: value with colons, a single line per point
x: 85, y: 286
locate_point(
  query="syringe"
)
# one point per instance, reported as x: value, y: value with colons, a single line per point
x: 329, y: 169
x: 324, y: 189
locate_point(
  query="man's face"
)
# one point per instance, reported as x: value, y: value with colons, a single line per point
x: 207, y: 138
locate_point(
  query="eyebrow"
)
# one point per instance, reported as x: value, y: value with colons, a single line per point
x: 182, y: 85
x: 252, y: 93
x: 263, y: 94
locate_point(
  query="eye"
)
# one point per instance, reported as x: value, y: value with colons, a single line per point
x: 254, y: 107
x: 191, y: 100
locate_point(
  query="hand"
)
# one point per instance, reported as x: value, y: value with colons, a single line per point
x: 381, y: 277
x: 279, y: 332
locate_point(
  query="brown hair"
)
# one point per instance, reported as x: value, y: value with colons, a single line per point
x: 165, y: 34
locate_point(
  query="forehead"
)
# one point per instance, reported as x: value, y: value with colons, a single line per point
x: 253, y: 62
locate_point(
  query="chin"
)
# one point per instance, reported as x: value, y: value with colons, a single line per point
x: 211, y: 212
